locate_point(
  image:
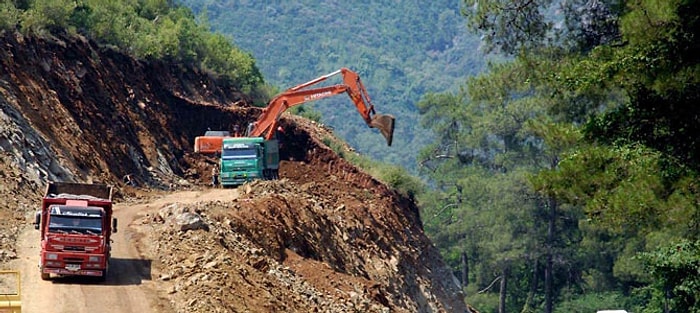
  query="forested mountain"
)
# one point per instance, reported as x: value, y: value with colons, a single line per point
x: 401, y: 50
x: 567, y: 177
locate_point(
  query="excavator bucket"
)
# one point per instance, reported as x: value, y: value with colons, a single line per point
x: 385, y: 124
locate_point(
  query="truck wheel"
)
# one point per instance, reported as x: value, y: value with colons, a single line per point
x: 45, y: 276
x: 102, y: 278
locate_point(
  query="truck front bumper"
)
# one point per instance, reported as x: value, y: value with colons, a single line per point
x: 80, y: 264
x: 72, y: 272
x: 237, y: 179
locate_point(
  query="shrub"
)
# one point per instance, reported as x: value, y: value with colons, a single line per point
x: 48, y: 16
x: 9, y: 16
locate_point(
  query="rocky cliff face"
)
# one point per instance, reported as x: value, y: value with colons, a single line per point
x: 327, y: 237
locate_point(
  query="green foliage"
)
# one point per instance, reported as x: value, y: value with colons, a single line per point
x: 485, y: 302
x: 306, y: 112
x: 618, y: 187
x: 48, y: 16
x: 400, y: 52
x: 262, y: 93
x: 603, y: 120
x: 107, y: 22
x: 592, y: 302
x: 676, y: 268
x: 9, y: 15
x: 150, y: 29
x: 657, y: 71
x: 395, y: 177
x: 335, y: 145
x: 400, y: 179
x: 508, y: 25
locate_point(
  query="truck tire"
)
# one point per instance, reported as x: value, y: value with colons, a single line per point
x: 102, y: 278
x: 45, y: 276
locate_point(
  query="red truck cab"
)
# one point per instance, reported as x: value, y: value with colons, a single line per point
x: 76, y: 225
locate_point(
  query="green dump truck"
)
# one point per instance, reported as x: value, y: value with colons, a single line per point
x: 245, y: 159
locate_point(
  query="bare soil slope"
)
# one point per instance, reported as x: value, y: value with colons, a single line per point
x: 326, y: 237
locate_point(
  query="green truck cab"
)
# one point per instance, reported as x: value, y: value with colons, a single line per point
x: 244, y: 159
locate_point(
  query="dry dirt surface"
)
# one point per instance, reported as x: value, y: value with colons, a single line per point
x: 326, y: 237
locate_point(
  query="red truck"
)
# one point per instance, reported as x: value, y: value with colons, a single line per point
x: 76, y: 224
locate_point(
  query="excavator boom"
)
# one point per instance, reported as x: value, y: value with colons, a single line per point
x: 266, y: 124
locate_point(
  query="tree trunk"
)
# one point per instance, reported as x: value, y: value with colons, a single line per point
x: 502, y: 293
x: 548, y: 271
x: 465, y: 270
x: 528, y: 307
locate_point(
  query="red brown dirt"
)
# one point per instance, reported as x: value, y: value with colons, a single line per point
x: 326, y: 237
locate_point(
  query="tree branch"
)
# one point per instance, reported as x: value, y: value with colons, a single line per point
x: 490, y: 285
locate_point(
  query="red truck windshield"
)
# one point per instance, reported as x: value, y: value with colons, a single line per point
x: 86, y: 220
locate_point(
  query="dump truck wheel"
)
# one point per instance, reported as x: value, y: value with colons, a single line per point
x: 102, y: 278
x: 45, y: 276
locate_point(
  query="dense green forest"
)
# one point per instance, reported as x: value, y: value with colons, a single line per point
x: 567, y: 177
x: 562, y: 178
x: 400, y: 49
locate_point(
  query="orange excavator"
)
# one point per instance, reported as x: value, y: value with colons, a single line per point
x: 256, y: 156
x: 211, y: 142
x: 266, y: 124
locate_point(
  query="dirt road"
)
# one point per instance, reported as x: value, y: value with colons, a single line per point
x: 131, y: 284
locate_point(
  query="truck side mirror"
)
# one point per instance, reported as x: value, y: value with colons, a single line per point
x: 37, y: 219
x: 114, y: 225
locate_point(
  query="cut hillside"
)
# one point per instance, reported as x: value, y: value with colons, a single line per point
x: 326, y: 237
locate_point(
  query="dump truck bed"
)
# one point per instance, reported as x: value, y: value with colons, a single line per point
x: 101, y: 191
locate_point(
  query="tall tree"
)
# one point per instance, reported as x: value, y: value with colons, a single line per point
x: 496, y: 133
x: 633, y: 66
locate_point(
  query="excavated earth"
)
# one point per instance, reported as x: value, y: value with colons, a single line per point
x: 326, y: 237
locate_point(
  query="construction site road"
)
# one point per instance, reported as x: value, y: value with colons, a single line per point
x: 129, y: 286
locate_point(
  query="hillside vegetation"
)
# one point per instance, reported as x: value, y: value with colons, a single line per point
x: 400, y: 49
x: 152, y: 29
x: 567, y: 178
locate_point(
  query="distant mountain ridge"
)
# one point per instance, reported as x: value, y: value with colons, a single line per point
x: 401, y: 49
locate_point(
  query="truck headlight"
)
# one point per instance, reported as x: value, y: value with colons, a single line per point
x: 94, y: 259
x: 52, y: 256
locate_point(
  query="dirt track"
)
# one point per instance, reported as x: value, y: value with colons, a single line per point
x: 129, y: 287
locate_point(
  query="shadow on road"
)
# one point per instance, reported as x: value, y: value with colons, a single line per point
x: 121, y: 272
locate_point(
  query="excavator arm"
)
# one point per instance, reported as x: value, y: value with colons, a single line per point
x: 266, y: 124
